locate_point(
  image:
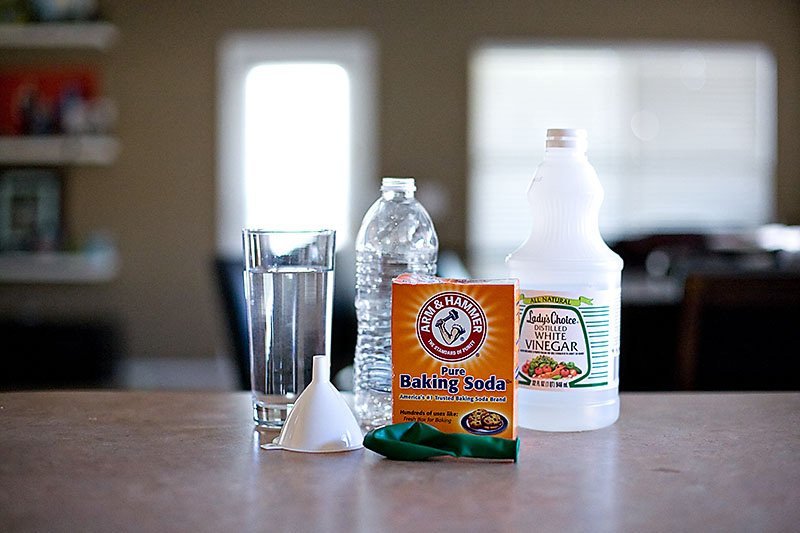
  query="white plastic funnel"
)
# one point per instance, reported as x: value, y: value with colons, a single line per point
x: 320, y: 420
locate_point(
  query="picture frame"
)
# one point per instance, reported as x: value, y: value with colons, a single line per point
x: 31, y: 201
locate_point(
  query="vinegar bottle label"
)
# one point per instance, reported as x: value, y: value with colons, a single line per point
x: 568, y: 341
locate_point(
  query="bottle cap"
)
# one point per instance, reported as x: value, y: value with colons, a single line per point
x: 566, y: 138
x: 398, y: 183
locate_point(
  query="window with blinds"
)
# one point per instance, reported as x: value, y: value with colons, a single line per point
x: 682, y: 137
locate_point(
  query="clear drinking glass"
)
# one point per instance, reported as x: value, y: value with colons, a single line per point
x: 288, y: 283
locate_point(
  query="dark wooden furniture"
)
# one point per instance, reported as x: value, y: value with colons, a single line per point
x: 63, y: 353
x: 740, y: 331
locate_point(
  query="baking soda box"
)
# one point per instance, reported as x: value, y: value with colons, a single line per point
x: 454, y: 354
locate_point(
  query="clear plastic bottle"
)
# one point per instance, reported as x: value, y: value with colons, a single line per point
x: 568, y: 376
x: 396, y: 236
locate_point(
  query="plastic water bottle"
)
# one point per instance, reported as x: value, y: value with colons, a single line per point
x: 396, y: 236
x: 568, y: 372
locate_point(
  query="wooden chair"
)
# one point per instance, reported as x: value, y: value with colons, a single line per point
x: 740, y: 331
x: 230, y: 282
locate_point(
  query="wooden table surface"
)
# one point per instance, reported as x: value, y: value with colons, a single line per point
x: 158, y: 461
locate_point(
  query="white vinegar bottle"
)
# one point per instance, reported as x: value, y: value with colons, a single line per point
x: 568, y: 374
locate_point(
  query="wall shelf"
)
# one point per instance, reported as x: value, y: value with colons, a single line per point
x: 58, y: 267
x: 92, y: 35
x: 58, y: 149
x: 96, y: 266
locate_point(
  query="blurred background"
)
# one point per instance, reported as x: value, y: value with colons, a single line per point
x: 137, y: 140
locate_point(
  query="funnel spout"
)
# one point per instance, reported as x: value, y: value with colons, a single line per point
x: 321, y: 370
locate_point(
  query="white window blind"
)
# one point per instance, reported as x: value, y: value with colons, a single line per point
x: 682, y: 137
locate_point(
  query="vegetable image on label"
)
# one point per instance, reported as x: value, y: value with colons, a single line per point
x: 544, y: 367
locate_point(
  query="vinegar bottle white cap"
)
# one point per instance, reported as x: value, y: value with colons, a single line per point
x: 566, y: 138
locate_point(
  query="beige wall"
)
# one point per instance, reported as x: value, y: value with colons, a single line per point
x: 158, y: 198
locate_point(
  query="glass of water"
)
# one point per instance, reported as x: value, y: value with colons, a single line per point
x: 288, y: 282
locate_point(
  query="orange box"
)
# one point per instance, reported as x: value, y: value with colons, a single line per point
x: 454, y: 354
